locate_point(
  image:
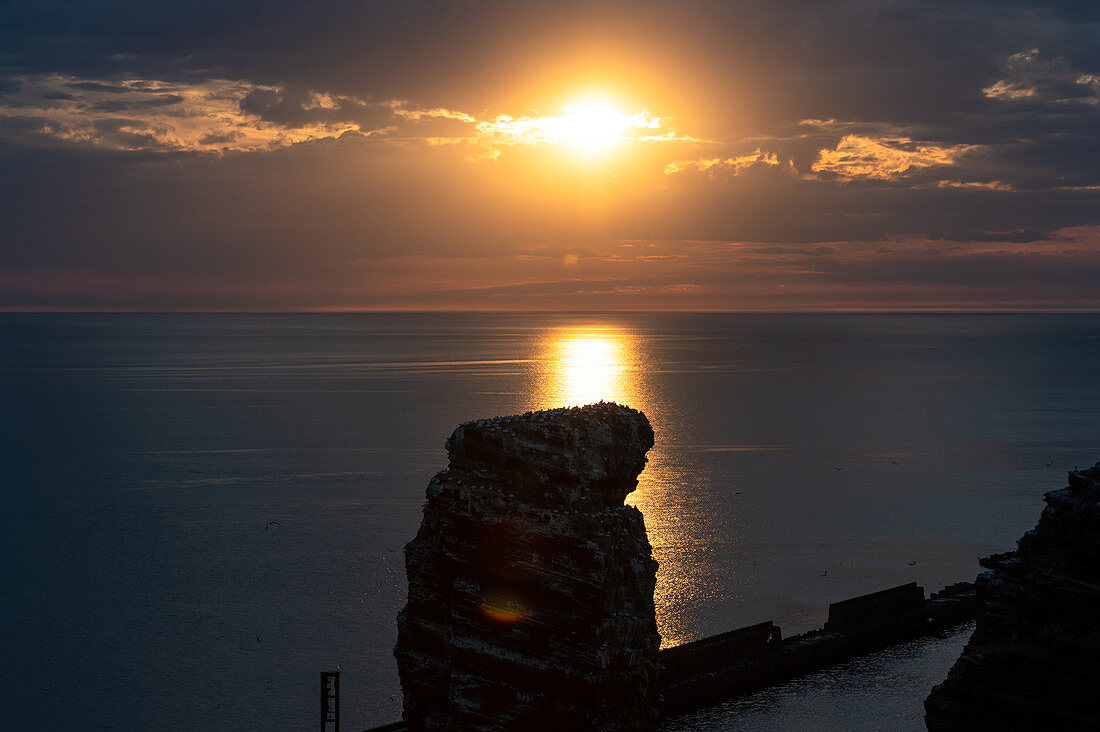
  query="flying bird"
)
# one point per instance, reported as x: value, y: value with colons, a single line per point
x: 269, y: 524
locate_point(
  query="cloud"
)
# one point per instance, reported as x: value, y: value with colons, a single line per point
x: 1014, y: 235
x: 992, y: 185
x: 1032, y: 78
x: 294, y: 108
x: 730, y: 166
x: 221, y: 115
x: 211, y: 115
x: 856, y: 156
x: 555, y: 130
x: 913, y: 273
x: 9, y: 86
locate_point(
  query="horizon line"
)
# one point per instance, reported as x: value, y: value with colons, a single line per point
x: 549, y: 311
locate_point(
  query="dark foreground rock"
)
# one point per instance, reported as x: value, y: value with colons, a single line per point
x: 530, y: 583
x: 1032, y: 662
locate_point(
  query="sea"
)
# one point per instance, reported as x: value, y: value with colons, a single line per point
x: 201, y: 512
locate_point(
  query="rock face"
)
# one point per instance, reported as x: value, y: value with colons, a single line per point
x: 1033, y: 660
x: 530, y: 583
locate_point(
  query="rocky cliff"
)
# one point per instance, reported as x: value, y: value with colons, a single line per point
x: 1032, y: 662
x: 530, y: 583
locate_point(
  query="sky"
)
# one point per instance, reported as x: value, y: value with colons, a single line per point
x: 690, y: 155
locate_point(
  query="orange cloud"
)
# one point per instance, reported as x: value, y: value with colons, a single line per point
x: 883, y: 158
x: 731, y: 166
x: 141, y: 114
x: 992, y: 185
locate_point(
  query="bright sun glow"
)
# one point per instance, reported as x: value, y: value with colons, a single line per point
x: 592, y: 126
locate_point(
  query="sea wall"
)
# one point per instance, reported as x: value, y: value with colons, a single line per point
x: 707, y: 671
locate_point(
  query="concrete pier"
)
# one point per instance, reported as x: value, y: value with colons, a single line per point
x: 713, y: 669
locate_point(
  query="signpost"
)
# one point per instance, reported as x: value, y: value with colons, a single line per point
x: 330, y: 701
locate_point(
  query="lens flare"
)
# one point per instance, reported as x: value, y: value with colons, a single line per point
x: 505, y: 608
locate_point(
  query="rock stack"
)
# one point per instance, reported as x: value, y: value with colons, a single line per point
x: 530, y: 583
x: 1034, y: 658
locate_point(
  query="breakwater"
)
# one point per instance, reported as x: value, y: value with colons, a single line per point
x: 709, y: 670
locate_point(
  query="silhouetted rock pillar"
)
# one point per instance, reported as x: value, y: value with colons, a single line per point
x: 1034, y: 658
x: 530, y: 583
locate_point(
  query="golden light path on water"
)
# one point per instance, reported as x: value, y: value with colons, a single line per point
x: 586, y: 364
x: 590, y: 364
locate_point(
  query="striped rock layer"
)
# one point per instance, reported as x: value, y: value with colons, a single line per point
x: 530, y: 582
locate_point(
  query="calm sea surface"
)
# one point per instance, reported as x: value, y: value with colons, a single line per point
x: 200, y: 512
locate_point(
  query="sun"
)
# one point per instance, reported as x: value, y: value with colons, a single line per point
x: 591, y: 125
x: 594, y: 125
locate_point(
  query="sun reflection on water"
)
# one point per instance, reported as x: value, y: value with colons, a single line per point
x: 589, y: 364
x: 586, y: 364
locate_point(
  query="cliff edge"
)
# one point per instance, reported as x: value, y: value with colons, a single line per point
x: 530, y: 582
x: 1033, y: 659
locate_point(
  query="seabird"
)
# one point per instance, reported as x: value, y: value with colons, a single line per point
x: 269, y: 523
